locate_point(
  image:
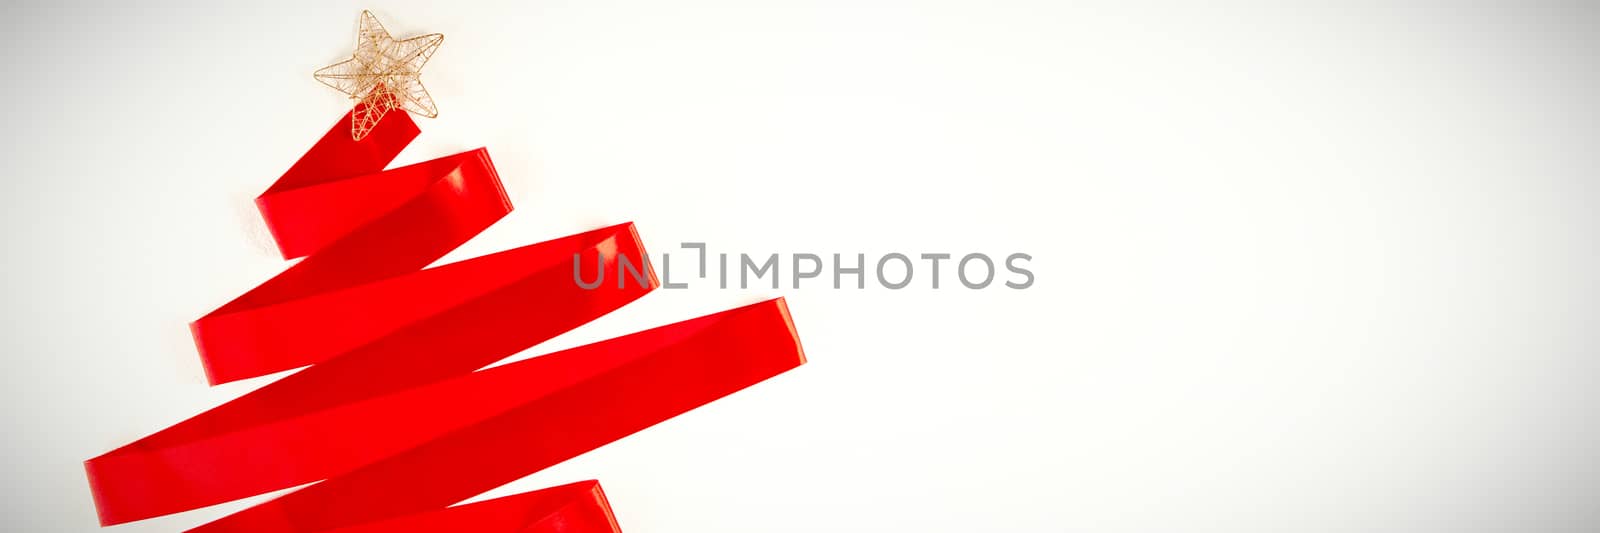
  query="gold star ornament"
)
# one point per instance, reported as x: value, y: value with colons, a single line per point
x: 384, y: 74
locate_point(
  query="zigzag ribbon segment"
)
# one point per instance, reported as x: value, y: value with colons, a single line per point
x: 393, y: 421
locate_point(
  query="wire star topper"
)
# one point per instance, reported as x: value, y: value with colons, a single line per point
x: 384, y: 74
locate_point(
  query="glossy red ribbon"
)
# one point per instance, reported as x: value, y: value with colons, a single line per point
x: 393, y: 419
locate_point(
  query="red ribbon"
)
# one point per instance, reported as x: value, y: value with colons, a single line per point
x: 393, y: 420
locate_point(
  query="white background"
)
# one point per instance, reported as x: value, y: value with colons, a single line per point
x: 1298, y: 269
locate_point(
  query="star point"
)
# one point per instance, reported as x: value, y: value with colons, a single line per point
x: 383, y: 74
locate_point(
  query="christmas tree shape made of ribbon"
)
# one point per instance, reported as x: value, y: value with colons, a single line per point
x: 393, y: 421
